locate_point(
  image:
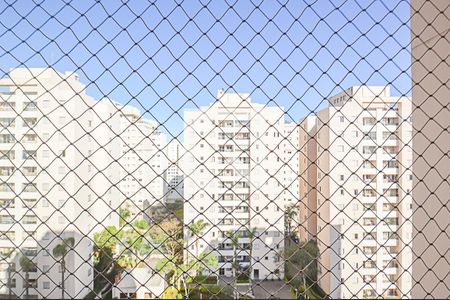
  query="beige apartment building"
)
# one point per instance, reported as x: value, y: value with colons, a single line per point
x: 355, y: 182
x: 307, y: 179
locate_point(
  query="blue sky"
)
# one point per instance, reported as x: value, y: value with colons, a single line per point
x: 164, y: 56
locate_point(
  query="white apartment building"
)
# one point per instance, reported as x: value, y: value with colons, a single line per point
x: 363, y: 183
x: 236, y: 155
x: 142, y: 161
x: 290, y: 169
x: 51, y: 185
x: 174, y: 174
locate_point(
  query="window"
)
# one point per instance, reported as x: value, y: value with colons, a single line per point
x: 45, y: 269
x: 46, y: 285
x: 45, y: 186
x: 45, y: 203
x: 46, y: 153
x: 340, y: 148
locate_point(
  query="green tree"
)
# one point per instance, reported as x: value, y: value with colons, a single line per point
x: 27, y: 266
x: 251, y: 235
x: 291, y: 217
x: 234, y: 237
x: 196, y: 229
x: 107, y: 238
x: 8, y: 256
x: 124, y: 214
x: 61, y: 250
x: 137, y: 245
x: 179, y: 275
x: 169, y: 234
x: 301, y: 263
x: 141, y: 225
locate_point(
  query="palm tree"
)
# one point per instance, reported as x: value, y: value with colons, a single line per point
x: 9, y: 281
x: 27, y: 266
x: 251, y: 235
x: 196, y: 229
x: 124, y: 214
x: 291, y: 214
x: 234, y: 237
x: 10, y: 269
x: 61, y: 250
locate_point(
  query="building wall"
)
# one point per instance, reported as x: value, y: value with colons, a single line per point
x: 254, y: 162
x: 352, y: 193
x: 307, y: 207
x: 430, y: 25
x: 60, y: 200
x: 88, y: 158
x: 175, y: 177
x: 140, y: 162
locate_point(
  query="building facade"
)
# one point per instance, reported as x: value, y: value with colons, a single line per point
x: 142, y: 162
x: 359, y: 205
x: 174, y: 174
x: 51, y: 187
x: 234, y: 180
x: 307, y: 205
x: 430, y: 66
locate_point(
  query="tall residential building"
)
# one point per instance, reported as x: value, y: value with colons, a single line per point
x: 51, y: 185
x: 430, y: 69
x: 363, y: 184
x: 234, y: 166
x: 174, y: 174
x: 290, y: 168
x: 142, y: 161
x: 307, y: 205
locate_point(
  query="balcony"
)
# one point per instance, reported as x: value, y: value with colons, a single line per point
x: 225, y: 124
x: 369, y: 150
x: 6, y: 171
x: 226, y: 172
x: 27, y: 220
x: 7, y: 139
x: 7, y: 106
x: 390, y: 150
x: 30, y: 138
x: 369, y: 250
x: 7, y: 155
x: 226, y: 148
x: 7, y: 203
x: 29, y: 188
x: 29, y: 154
x: 29, y: 171
x: 370, y: 279
x: 7, y: 122
x: 391, y: 179
x: 29, y: 122
x: 7, y: 187
x: 390, y: 121
x: 7, y: 219
x: 30, y: 106
x: 369, y: 121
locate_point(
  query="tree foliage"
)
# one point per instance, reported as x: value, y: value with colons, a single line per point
x: 301, y: 260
